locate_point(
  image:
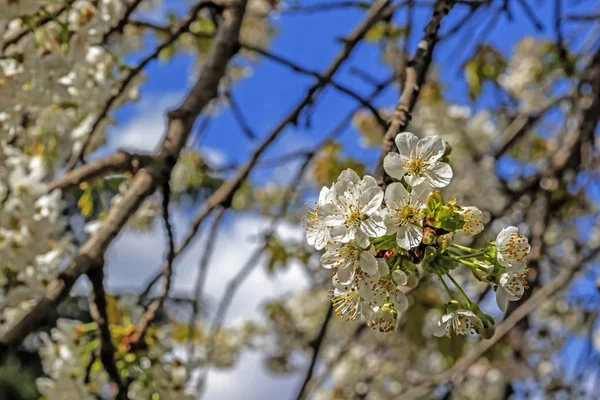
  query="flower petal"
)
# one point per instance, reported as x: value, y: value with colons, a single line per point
x: 501, y: 299
x: 411, y: 236
x: 430, y: 148
x: 440, y: 329
x: 393, y: 164
x: 367, y: 182
x: 396, y: 195
x: 371, y: 200
x: 406, y: 142
x: 331, y: 215
x: 399, y: 277
x: 414, y: 180
x: 345, y: 275
x: 382, y: 267
x: 439, y: 175
x: 349, y: 175
x: 368, y: 263
x: 362, y: 239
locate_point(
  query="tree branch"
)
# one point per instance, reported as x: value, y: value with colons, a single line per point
x: 416, y: 70
x: 98, y: 309
x: 181, y: 121
x: 133, y: 72
x: 119, y: 162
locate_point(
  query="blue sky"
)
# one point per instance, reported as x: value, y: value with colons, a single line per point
x: 265, y: 97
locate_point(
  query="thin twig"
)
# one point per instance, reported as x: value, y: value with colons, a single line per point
x: 98, y: 309
x: 118, y: 28
x: 155, y: 306
x: 316, y: 347
x: 211, y: 239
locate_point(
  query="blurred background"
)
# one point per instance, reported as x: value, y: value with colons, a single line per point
x: 512, y: 88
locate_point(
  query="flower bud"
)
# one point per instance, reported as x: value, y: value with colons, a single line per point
x: 429, y: 236
x: 444, y: 242
x: 434, y: 199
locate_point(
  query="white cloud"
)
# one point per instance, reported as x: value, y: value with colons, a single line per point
x: 134, y: 257
x: 146, y: 128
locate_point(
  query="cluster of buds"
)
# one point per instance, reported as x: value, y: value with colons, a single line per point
x: 378, y: 242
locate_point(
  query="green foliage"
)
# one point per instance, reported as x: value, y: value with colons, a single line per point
x: 17, y: 381
x: 330, y: 163
x: 277, y: 255
x: 486, y: 65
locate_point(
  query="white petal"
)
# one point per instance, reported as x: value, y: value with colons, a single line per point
x: 402, y: 239
x: 371, y: 200
x: 419, y: 194
x: 349, y: 175
x: 431, y: 148
x: 399, y: 277
x: 382, y: 267
x: 396, y: 195
x: 368, y: 263
x: 362, y: 239
x: 406, y: 143
x: 331, y: 215
x: 414, y: 180
x: 393, y: 165
x: 374, y: 226
x: 400, y: 301
x: 326, y: 195
x: 342, y: 234
x: 345, y: 275
x: 440, y: 329
x: 501, y: 299
x: 367, y: 182
x: 439, y: 175
x: 412, y: 236
x: 505, y: 234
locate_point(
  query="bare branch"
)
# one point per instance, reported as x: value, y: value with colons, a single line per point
x: 118, y: 28
x: 120, y: 162
x: 98, y: 309
x: 316, y: 346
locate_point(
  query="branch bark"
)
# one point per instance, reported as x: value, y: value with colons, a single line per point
x: 416, y: 70
x: 180, y: 123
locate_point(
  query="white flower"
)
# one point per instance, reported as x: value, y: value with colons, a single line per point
x: 418, y: 160
x: 355, y: 212
x: 461, y: 322
x: 512, y: 249
x: 352, y: 301
x: 402, y: 214
x: 385, y: 319
x: 48, y: 207
x: 472, y: 216
x: 511, y: 287
x: 347, y: 257
x: 317, y: 233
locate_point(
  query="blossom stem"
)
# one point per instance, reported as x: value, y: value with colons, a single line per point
x: 446, y: 286
x: 460, y: 289
x: 463, y: 248
x: 465, y: 256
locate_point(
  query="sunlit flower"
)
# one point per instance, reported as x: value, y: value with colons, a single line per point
x: 385, y: 319
x: 355, y: 212
x: 417, y: 161
x: 513, y: 248
x: 402, y: 215
x: 352, y: 301
x: 472, y: 217
x: 460, y: 322
x: 317, y: 233
x: 346, y: 258
x: 511, y: 287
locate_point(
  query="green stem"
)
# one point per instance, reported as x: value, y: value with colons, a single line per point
x: 467, y: 256
x: 460, y: 289
x: 446, y: 286
x: 463, y: 248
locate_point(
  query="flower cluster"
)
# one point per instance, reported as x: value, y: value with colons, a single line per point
x: 378, y: 243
